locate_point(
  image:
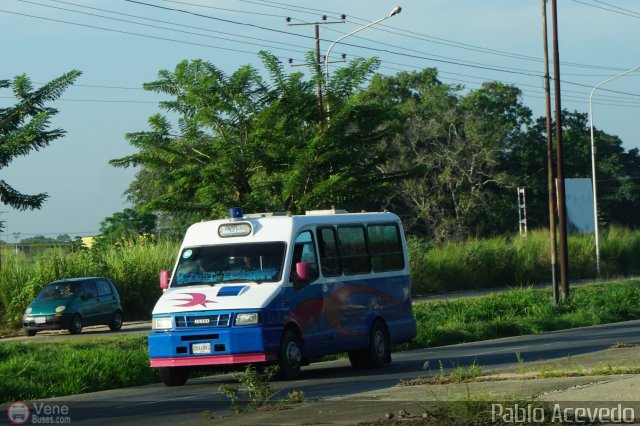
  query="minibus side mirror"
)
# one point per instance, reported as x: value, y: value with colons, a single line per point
x: 165, y: 276
x: 302, y: 271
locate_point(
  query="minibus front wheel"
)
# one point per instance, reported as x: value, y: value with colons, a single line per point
x: 174, y: 376
x: 290, y: 355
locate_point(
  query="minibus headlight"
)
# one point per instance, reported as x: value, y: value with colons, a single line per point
x: 247, y: 318
x: 162, y: 323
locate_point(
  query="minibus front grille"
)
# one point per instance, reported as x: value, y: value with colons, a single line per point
x: 186, y: 321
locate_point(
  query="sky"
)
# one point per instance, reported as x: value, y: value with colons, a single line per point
x: 121, y: 44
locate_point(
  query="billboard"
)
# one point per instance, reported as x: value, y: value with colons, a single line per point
x: 579, y: 205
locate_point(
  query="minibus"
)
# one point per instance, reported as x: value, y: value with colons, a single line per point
x: 283, y: 289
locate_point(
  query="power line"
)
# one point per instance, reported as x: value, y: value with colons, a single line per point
x: 155, y: 26
x: 433, y: 39
x: 434, y: 59
x: 132, y: 33
x: 395, y: 47
x: 621, y: 11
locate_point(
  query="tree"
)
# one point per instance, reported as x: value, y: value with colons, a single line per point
x: 618, y: 170
x: 243, y: 140
x: 127, y: 224
x: 450, y: 148
x: 24, y: 127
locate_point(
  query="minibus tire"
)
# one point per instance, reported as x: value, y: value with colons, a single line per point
x: 377, y: 354
x: 379, y: 347
x: 290, y: 356
x: 174, y: 376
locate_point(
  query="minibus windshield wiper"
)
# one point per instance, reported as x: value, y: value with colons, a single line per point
x: 239, y: 280
x: 192, y: 283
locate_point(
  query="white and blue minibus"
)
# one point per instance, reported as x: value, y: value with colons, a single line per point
x: 283, y: 289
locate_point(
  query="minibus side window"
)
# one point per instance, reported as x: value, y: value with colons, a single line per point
x: 329, y: 257
x: 353, y: 250
x: 385, y: 247
x: 304, y: 250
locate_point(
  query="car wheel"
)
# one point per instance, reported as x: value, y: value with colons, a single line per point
x: 30, y: 333
x: 75, y: 327
x: 116, y: 321
x: 290, y: 356
x: 174, y: 376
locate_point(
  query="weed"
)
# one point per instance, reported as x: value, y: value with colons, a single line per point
x: 255, y: 386
x: 465, y: 374
x: 442, y: 375
x: 208, y: 415
x: 295, y: 397
x: 520, y: 363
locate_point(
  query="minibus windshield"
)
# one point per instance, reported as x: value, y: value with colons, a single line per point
x: 257, y: 262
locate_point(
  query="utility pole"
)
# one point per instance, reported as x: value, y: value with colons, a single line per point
x: 319, y: 74
x: 550, y: 170
x: 562, y: 212
x: 318, y: 63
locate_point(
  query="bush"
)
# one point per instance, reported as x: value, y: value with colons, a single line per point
x: 517, y: 261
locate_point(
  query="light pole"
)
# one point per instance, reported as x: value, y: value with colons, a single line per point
x: 395, y: 11
x: 593, y: 163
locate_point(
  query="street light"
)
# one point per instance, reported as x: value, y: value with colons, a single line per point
x: 393, y: 12
x: 593, y: 162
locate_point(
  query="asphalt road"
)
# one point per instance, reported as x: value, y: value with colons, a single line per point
x: 160, y: 405
x: 128, y: 328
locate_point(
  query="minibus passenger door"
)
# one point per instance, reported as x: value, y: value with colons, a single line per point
x: 307, y: 300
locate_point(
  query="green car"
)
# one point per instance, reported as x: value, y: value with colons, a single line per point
x: 72, y: 304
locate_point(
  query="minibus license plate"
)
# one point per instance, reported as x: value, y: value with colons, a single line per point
x: 41, y: 320
x: 201, y: 348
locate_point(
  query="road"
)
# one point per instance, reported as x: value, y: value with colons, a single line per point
x: 128, y: 329
x: 161, y: 405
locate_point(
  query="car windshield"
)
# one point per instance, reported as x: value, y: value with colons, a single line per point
x: 259, y: 262
x: 57, y: 291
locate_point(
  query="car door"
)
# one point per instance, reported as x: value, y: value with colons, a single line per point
x: 107, y: 301
x: 89, y: 308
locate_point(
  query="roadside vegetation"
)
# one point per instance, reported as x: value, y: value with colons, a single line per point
x: 513, y: 262
x: 47, y: 369
x: 133, y: 266
x: 33, y: 370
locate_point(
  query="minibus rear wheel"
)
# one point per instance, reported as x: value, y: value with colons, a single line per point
x: 378, y: 352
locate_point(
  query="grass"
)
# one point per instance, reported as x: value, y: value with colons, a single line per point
x: 524, y: 311
x: 41, y: 370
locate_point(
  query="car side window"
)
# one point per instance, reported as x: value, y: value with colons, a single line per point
x: 104, y: 288
x: 90, y: 289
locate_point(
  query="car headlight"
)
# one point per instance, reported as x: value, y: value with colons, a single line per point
x: 247, y: 318
x: 27, y: 318
x: 61, y: 308
x: 162, y: 323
